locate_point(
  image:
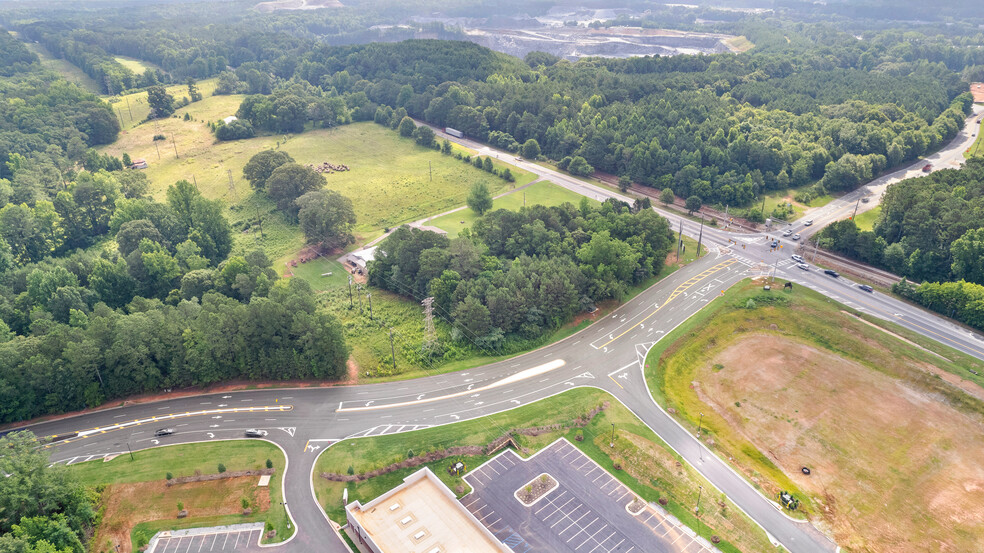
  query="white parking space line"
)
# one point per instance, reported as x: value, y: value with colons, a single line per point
x: 225, y: 541
x: 582, y: 529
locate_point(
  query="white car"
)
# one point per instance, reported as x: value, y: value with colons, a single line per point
x: 796, y: 237
x: 808, y: 223
x: 787, y: 233
x: 803, y: 266
x: 797, y: 258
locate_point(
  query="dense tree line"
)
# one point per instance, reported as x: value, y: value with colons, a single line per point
x: 722, y: 128
x: 521, y: 274
x: 930, y: 228
x: 43, y: 507
x: 47, y: 121
x: 961, y: 300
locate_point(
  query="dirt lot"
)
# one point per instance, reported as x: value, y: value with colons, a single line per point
x: 127, y: 505
x: 894, y: 468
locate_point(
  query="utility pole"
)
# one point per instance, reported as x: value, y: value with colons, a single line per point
x: 774, y: 267
x: 158, y: 148
x: 358, y: 288
x: 430, y: 171
x: 680, y: 240
x: 369, y: 295
x: 195, y: 180
x: 763, y: 206
x: 856, y: 209
x: 816, y: 242
x: 351, y: 303
x: 700, y: 235
x: 175, y: 146
x: 128, y: 449
x: 120, y: 113
x: 392, y: 350
x: 524, y: 198
x: 128, y: 108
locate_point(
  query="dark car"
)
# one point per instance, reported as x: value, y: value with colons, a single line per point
x: 866, y: 288
x: 831, y: 272
x: 164, y: 432
x: 254, y: 433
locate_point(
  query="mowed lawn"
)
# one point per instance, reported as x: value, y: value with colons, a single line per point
x: 891, y: 432
x: 539, y: 193
x: 147, y: 471
x: 867, y: 220
x: 651, y: 469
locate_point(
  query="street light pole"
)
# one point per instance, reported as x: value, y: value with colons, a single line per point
x: 699, y: 424
x: 129, y: 450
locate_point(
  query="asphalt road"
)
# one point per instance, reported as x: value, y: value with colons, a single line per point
x: 607, y: 355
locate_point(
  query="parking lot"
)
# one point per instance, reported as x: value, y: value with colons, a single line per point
x: 585, y: 513
x: 241, y: 537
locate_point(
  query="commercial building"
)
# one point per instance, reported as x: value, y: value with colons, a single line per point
x: 421, y: 515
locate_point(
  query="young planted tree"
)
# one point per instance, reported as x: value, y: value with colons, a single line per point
x: 480, y: 199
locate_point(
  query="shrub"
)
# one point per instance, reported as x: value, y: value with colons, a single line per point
x: 715, y: 539
x: 750, y: 304
x: 579, y: 436
x: 181, y: 506
x: 351, y: 470
x: 410, y: 454
x: 221, y: 468
x: 269, y: 464
x: 663, y: 501
x: 168, y: 476
x: 244, y: 502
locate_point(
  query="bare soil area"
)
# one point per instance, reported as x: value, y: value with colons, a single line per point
x: 896, y: 468
x: 126, y: 505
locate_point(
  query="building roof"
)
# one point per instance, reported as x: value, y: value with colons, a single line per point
x: 229, y: 119
x: 422, y: 515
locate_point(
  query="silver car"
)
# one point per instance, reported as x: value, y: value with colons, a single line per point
x: 803, y: 266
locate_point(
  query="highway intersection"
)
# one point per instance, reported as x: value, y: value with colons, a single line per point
x: 609, y: 354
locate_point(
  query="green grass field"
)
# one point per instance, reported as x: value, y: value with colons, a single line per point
x: 391, y: 181
x: 867, y: 220
x: 539, y: 193
x: 134, y: 110
x: 184, y: 460
x: 135, y: 65
x: 650, y: 466
x: 687, y: 360
x: 68, y: 71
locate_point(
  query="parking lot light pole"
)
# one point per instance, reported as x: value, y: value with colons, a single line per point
x: 612, y: 443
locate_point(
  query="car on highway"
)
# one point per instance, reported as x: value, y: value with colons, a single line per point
x: 865, y: 200
x: 797, y: 258
x: 808, y: 222
x: 866, y: 288
x: 803, y: 266
x: 787, y: 233
x: 164, y: 432
x: 796, y: 237
x: 831, y: 272
x: 254, y: 433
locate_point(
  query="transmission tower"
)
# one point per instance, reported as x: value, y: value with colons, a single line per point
x: 429, y: 334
